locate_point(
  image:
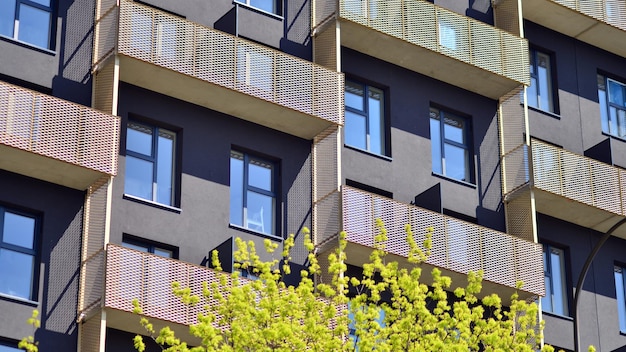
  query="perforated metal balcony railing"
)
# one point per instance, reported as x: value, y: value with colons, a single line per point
x: 569, y: 186
x: 191, y: 62
x: 601, y: 23
x: 458, y: 246
x: 55, y: 140
x: 432, y: 40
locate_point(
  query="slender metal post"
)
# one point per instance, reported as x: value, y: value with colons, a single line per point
x: 583, y: 274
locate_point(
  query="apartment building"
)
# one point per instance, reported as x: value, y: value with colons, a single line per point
x: 137, y: 136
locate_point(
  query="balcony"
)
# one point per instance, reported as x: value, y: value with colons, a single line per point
x: 458, y: 246
x: 601, y: 23
x: 436, y: 42
x: 55, y: 140
x: 200, y: 65
x: 574, y: 188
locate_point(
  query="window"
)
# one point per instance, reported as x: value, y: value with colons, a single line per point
x: 159, y: 249
x: 450, y: 145
x: 27, y: 20
x: 255, y: 69
x: 620, y: 295
x: 150, y: 163
x: 271, y: 6
x: 252, y: 193
x: 556, y: 300
x: 18, y: 252
x: 540, y: 92
x: 365, y: 118
x: 612, y: 98
x: 8, y: 346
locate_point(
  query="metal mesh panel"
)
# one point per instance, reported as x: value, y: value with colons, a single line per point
x: 183, y: 46
x: 90, y: 334
x: 326, y: 198
x: 455, y: 35
x: 322, y: 10
x: 577, y: 177
x: 519, y: 219
x: 327, y: 218
x: 515, y: 169
x: 58, y: 129
x: 506, y: 16
x: 457, y: 245
x: 146, y: 277
x: 512, y: 121
x: 105, y: 28
x: 325, y: 48
x: 612, y: 12
x: 103, y: 88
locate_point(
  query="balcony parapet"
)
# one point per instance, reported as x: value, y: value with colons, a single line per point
x: 432, y: 40
x: 55, y: 140
x: 191, y: 62
x: 458, y: 246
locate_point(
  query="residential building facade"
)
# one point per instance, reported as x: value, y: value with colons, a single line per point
x: 138, y: 136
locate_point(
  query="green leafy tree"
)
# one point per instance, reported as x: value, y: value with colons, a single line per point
x: 388, y: 308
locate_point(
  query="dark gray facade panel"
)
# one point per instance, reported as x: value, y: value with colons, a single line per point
x: 597, y: 307
x: 61, y: 214
x: 408, y: 173
x: 66, y: 69
x: 576, y: 64
x: 122, y: 341
x: 205, y: 139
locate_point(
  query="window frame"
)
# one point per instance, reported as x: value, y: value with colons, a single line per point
x: 533, y: 56
x: 621, y: 308
x: 278, y: 6
x: 153, y: 159
x: 605, y: 111
x: 51, y: 10
x: 549, y: 278
x: 467, y: 146
x: 385, y: 145
x: 34, y: 252
x: 275, y: 231
x: 149, y: 245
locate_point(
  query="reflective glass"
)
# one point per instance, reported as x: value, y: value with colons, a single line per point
x: 42, y: 2
x: 616, y: 93
x: 260, y: 212
x: 621, y: 299
x: 9, y: 349
x: 558, y: 281
x: 16, y: 273
x: 34, y: 26
x: 135, y: 247
x: 355, y: 130
x: 546, y: 301
x: 354, y: 96
x: 621, y: 122
x: 435, y: 140
x: 138, y: 178
x: 447, y: 36
x: 163, y: 253
x: 455, y: 162
x: 236, y: 189
x: 376, y: 122
x: 265, y: 5
x: 7, y: 17
x: 613, y: 120
x: 18, y: 230
x: 165, y: 168
x: 139, y: 138
x: 453, y: 129
x: 260, y: 175
x: 604, y: 118
x: 531, y: 93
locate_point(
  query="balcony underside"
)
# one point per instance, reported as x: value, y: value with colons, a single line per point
x: 578, y: 213
x: 46, y: 168
x: 357, y: 255
x: 219, y: 98
x: 424, y: 61
x: 576, y: 24
x: 129, y: 321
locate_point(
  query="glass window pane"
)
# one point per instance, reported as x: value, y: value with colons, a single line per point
x: 165, y: 167
x: 616, y: 93
x: 455, y: 162
x: 621, y: 122
x: 260, y: 213
x: 376, y: 121
x: 16, y: 273
x: 447, y: 35
x: 34, y: 26
x: 9, y: 349
x: 355, y: 130
x: 163, y: 252
x: 558, y: 281
x: 138, y: 178
x: 354, y: 96
x: 42, y: 2
x: 236, y: 188
x: 454, y: 129
x: 546, y: 302
x: 18, y: 230
x: 139, y: 138
x: 604, y: 118
x: 621, y: 299
x: 613, y: 120
x: 7, y: 17
x: 265, y: 5
x: 531, y: 93
x: 135, y: 247
x: 260, y: 174
x: 435, y: 140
